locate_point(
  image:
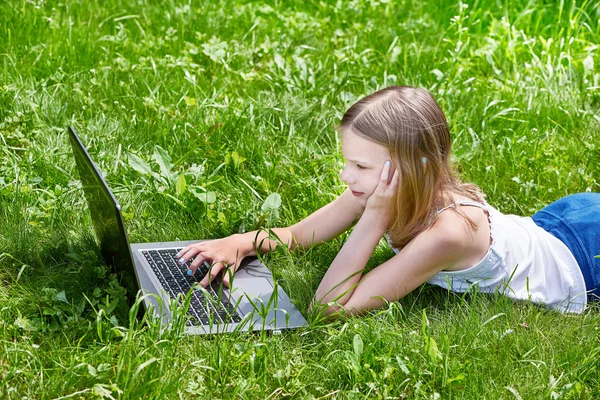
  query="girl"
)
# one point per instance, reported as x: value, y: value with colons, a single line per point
x: 401, y: 184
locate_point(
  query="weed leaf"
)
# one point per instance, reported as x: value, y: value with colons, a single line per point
x: 235, y: 158
x: 205, y: 197
x: 459, y: 377
x: 432, y: 350
x: 358, y: 345
x: 215, y: 49
x: 163, y: 160
x: 181, y: 185
x: 26, y: 324
x: 272, y: 203
x: 61, y: 296
x: 139, y: 165
x: 402, y: 365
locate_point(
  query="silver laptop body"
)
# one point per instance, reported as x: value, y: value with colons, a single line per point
x: 254, y: 302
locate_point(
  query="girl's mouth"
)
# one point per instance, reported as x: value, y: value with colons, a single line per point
x: 356, y: 193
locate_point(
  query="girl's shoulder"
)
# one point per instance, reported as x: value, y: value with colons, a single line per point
x: 469, y: 238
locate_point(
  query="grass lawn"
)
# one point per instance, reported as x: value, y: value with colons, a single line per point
x: 196, y: 112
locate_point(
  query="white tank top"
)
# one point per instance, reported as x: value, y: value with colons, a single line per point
x: 524, y: 262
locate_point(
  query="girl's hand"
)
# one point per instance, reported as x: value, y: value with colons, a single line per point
x: 379, y: 204
x: 223, y: 254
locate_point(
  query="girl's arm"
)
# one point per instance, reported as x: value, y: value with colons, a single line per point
x: 321, y: 226
x: 442, y: 246
x: 328, y: 222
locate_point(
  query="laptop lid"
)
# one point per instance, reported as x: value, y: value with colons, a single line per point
x: 106, y: 218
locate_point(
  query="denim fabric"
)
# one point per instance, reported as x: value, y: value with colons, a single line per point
x: 575, y: 220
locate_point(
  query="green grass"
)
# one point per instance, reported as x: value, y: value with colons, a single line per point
x: 239, y: 100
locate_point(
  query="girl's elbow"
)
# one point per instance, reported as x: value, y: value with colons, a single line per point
x: 359, y: 306
x: 334, y: 310
x: 328, y: 310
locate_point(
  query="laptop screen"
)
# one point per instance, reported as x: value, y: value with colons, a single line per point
x: 107, y: 219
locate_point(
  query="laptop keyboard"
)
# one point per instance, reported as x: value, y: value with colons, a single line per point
x: 204, y: 305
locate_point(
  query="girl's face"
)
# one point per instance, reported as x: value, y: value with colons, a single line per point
x: 364, y: 163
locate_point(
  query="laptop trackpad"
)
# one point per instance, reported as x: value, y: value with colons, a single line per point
x: 254, y: 294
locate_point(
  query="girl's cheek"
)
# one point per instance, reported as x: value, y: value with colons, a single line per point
x: 370, y: 192
x: 374, y: 182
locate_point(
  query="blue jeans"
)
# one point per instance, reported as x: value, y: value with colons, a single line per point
x: 575, y: 220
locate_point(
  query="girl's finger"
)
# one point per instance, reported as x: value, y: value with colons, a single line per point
x: 192, y: 249
x: 185, y: 255
x: 212, y: 273
x: 385, y: 172
x: 183, y: 252
x: 394, y: 182
x: 228, y: 274
x: 200, y: 258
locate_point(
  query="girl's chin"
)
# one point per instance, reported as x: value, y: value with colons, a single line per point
x: 362, y: 200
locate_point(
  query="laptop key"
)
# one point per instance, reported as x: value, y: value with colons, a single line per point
x: 223, y: 315
x: 171, y: 281
x: 199, y: 295
x: 204, y: 268
x: 182, y: 281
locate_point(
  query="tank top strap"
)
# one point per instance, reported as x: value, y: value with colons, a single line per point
x: 463, y: 203
x: 473, y: 203
x: 444, y: 209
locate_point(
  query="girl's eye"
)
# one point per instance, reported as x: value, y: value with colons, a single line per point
x: 360, y: 166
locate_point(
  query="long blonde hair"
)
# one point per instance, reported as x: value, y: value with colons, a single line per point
x: 411, y: 125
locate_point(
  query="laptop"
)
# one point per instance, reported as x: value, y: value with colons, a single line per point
x: 254, y: 302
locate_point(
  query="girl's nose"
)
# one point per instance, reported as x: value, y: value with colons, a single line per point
x: 345, y: 176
